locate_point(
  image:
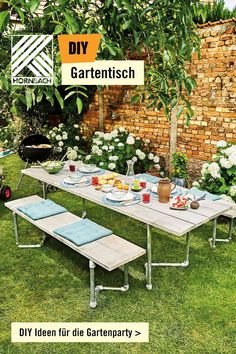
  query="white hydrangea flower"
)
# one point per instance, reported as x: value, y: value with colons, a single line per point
x: 99, y: 134
x: 112, y: 166
x: 69, y: 148
x: 76, y: 125
x: 156, y: 159
x: 232, y: 191
x: 225, y: 163
x: 59, y: 149
x: 230, y: 150
x: 55, y: 129
x: 99, y: 152
x: 138, y: 152
x: 77, y: 138
x: 151, y: 156
x: 196, y: 184
x: 147, y: 141
x: 50, y: 132
x: 221, y: 144
x: 72, y: 155
x: 158, y: 167
x: 117, y: 140
x: 88, y: 157
x: 111, y: 147
x: 115, y: 158
x: 138, y: 138
x: 107, y: 137
x: 101, y: 163
x: 58, y: 137
x: 122, y: 129
x: 114, y: 133
x: 120, y: 144
x: 130, y: 140
x: 134, y: 159
x: 232, y: 159
x: 105, y: 147
x: 142, y: 156
x: 226, y: 197
x: 214, y: 170
x: 61, y: 125
x: 60, y: 143
x: 204, y: 169
x: 76, y: 148
x: 53, y: 135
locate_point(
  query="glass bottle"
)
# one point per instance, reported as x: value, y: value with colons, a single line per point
x: 130, y: 173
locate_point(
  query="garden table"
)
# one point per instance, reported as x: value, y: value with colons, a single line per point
x: 154, y: 214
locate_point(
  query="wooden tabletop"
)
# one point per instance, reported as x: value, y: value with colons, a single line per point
x: 155, y: 214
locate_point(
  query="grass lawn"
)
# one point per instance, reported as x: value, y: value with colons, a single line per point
x: 190, y: 310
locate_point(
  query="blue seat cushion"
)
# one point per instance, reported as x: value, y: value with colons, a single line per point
x: 82, y: 232
x: 42, y: 209
x: 198, y: 193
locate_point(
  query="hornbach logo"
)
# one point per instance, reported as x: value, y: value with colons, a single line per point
x: 79, y: 67
x: 32, y: 60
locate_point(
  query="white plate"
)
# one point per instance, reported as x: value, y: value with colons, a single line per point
x: 126, y: 197
x: 69, y: 180
x: 84, y: 169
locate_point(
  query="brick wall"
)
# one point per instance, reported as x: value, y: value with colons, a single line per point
x: 213, y: 101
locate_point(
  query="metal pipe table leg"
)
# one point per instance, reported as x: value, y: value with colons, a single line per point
x: 148, y: 265
x: 183, y: 264
x: 231, y: 225
x: 44, y: 190
x: 93, y: 302
x: 84, y: 213
x: 126, y: 276
x: 21, y: 176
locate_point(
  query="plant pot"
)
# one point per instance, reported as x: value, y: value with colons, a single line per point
x: 179, y: 181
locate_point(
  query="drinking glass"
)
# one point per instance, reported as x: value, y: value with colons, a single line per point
x: 72, y: 167
x: 146, y: 198
x: 143, y: 182
x: 94, y: 180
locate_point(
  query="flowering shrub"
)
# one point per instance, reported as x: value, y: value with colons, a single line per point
x: 66, y: 138
x: 112, y: 150
x: 219, y: 176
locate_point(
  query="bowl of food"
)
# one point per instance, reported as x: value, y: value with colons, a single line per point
x: 52, y: 167
x: 90, y: 167
x: 119, y: 194
x: 107, y: 188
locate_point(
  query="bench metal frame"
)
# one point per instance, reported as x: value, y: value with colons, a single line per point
x: 94, y: 290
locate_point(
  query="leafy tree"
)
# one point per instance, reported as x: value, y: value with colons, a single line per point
x: 163, y: 29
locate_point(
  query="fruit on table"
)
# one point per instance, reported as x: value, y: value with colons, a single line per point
x: 179, y: 202
x: 194, y: 204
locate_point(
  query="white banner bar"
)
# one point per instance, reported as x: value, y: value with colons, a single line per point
x: 44, y: 332
x: 104, y: 72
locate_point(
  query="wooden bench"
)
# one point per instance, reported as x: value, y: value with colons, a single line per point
x: 109, y: 252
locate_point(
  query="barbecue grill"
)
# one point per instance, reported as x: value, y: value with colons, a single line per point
x: 30, y: 153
